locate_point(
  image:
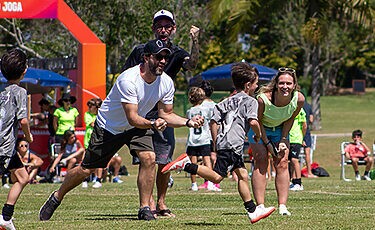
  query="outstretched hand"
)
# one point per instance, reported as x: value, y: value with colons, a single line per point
x: 160, y: 124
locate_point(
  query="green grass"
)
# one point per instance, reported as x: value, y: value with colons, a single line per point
x: 326, y: 203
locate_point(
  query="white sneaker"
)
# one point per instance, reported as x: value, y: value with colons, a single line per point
x: 357, y: 177
x: 8, y: 225
x: 85, y: 184
x: 63, y: 162
x: 6, y: 186
x: 178, y: 164
x: 194, y: 187
x: 117, y: 180
x: 296, y: 187
x: 283, y: 210
x: 97, y: 184
x: 366, y: 177
x: 260, y: 212
x: 211, y: 187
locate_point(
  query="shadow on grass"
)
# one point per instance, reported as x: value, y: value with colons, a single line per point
x: 202, y: 224
x: 107, y: 217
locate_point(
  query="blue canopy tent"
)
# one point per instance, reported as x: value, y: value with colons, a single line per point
x: 41, y: 81
x: 220, y: 78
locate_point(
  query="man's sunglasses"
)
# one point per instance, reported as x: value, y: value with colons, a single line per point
x: 166, y: 27
x: 20, y: 146
x: 160, y: 57
x: 287, y: 69
x: 66, y: 100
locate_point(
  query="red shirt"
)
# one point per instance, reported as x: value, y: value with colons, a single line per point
x: 355, y: 150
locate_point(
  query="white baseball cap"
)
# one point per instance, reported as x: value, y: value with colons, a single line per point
x: 164, y: 13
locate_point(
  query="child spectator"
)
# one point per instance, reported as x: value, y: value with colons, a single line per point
x: 199, y: 140
x: 296, y: 134
x: 357, y: 150
x: 31, y: 161
x: 13, y: 111
x: 234, y: 116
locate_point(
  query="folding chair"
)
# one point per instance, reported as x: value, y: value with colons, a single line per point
x: 345, y: 162
x: 302, y: 156
x: 55, y: 150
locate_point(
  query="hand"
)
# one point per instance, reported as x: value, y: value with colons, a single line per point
x: 29, y: 138
x: 160, y: 124
x: 196, y: 122
x: 194, y: 33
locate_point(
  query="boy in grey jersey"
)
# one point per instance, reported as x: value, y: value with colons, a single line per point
x: 13, y: 111
x: 229, y: 125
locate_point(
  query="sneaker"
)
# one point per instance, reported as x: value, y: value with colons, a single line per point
x: 296, y: 187
x: 170, y: 182
x: 7, y: 225
x: 63, y: 162
x: 283, y: 210
x: 97, y: 184
x: 49, y: 207
x: 217, y: 185
x: 145, y: 214
x: 357, y: 177
x: 6, y: 186
x: 177, y: 164
x: 366, y: 177
x: 260, y: 212
x: 117, y: 180
x: 204, y: 185
x: 194, y: 187
x: 212, y: 187
x: 85, y: 184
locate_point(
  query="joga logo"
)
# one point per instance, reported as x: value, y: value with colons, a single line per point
x: 159, y: 43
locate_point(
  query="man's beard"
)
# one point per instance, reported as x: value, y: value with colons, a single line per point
x: 155, y: 69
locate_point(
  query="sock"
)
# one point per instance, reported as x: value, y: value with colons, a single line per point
x: 8, y: 212
x: 249, y: 206
x: 99, y: 180
x: 366, y: 173
x: 356, y: 173
x: 297, y: 181
x: 191, y: 168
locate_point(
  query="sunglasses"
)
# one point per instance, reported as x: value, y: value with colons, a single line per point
x: 160, y: 57
x: 66, y: 100
x: 20, y: 146
x: 166, y: 27
x: 286, y: 69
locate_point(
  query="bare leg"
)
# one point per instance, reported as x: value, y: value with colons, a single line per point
x: 146, y: 177
x: 282, y: 177
x: 369, y: 162
x: 258, y: 178
x: 162, y: 187
x: 308, y: 162
x: 73, y: 178
x: 20, y: 177
x: 243, y: 184
x: 193, y: 160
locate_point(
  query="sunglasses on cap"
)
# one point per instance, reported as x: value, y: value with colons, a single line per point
x: 286, y: 69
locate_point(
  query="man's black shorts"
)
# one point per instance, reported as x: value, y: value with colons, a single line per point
x: 227, y: 161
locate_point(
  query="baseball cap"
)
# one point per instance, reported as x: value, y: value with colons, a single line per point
x: 155, y: 47
x: 164, y: 13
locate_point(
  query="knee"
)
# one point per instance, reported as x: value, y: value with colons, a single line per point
x: 147, y: 158
x: 283, y: 164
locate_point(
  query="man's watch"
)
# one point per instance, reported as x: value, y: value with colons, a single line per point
x: 152, y: 122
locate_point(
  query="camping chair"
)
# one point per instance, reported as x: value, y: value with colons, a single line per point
x: 345, y: 162
x: 302, y: 156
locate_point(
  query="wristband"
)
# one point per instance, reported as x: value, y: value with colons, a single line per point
x: 187, y: 123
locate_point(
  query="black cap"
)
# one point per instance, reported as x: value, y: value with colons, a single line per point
x: 155, y: 47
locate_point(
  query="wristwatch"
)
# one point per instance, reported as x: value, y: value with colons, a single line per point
x: 152, y: 122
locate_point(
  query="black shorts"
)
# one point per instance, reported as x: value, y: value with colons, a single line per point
x: 103, y: 145
x: 228, y: 161
x: 7, y: 164
x: 295, y: 150
x: 199, y: 151
x: 307, y: 139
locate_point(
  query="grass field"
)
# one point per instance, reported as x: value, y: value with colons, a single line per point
x: 326, y: 203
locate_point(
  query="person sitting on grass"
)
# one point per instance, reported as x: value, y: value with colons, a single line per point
x: 31, y: 161
x: 234, y: 116
x: 356, y: 151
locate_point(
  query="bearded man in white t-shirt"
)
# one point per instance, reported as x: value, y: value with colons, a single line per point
x: 121, y: 120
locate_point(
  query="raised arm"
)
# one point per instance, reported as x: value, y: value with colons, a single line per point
x: 191, y: 61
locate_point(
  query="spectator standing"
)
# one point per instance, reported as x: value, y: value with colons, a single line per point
x: 41, y: 119
x: 13, y: 112
x: 307, y: 138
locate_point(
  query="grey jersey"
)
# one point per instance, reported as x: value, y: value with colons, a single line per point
x: 13, y: 107
x: 233, y: 116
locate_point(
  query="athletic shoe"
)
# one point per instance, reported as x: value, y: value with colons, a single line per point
x: 204, y: 185
x: 170, y: 182
x: 357, y: 177
x: 145, y: 214
x: 177, y: 164
x: 296, y: 187
x: 6, y: 186
x: 260, y: 212
x: 8, y: 225
x: 117, y: 180
x: 366, y: 177
x: 85, y: 184
x: 49, y: 207
x: 63, y: 162
x: 212, y: 187
x: 97, y: 184
x: 283, y: 210
x: 194, y: 187
x: 217, y: 185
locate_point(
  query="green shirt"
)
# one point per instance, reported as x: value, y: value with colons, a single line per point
x: 89, y: 118
x: 295, y: 133
x: 65, y: 119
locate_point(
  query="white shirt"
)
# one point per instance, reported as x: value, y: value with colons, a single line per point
x: 200, y: 136
x: 131, y: 88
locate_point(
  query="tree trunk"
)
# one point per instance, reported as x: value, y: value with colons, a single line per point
x: 316, y: 84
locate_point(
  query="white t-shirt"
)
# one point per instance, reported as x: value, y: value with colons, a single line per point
x: 200, y: 136
x: 131, y: 88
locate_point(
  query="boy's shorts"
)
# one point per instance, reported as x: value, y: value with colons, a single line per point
x: 227, y: 161
x: 199, y: 151
x: 7, y: 164
x: 295, y: 150
x: 103, y: 145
